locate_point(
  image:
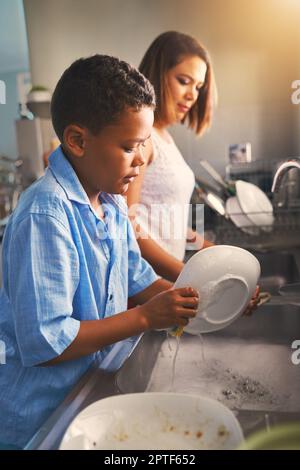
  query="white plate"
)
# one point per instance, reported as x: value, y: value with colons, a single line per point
x: 234, y: 211
x: 254, y: 203
x: 225, y: 277
x: 154, y: 421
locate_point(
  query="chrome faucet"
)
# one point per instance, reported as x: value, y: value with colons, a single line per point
x: 281, y: 171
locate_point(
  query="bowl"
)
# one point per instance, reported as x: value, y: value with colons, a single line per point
x: 169, y: 421
x: 226, y: 278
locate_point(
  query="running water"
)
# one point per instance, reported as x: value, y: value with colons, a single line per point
x: 202, y: 346
x: 176, y: 352
x: 174, y: 362
x: 168, y: 340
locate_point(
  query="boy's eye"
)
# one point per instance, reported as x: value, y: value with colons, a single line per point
x: 134, y: 149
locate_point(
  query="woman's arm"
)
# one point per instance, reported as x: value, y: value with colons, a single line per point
x: 197, y: 239
x: 162, y: 262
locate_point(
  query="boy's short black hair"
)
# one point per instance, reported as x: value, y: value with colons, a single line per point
x: 93, y: 92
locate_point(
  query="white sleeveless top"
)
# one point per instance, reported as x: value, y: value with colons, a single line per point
x: 165, y: 196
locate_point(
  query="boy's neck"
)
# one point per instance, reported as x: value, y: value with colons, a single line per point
x: 91, y: 194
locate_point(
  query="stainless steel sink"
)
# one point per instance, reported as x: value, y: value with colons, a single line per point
x: 277, y: 269
x: 247, y: 366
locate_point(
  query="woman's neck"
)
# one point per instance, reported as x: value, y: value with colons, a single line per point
x: 163, y: 132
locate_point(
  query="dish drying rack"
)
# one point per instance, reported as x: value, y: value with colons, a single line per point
x: 284, y: 232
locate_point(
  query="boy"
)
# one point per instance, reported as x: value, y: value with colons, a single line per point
x: 70, y: 258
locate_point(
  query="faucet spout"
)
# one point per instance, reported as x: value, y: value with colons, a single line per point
x: 281, y: 171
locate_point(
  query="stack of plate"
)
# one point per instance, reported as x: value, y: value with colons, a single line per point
x: 250, y: 208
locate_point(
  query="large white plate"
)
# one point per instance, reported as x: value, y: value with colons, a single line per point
x: 154, y: 421
x: 225, y: 277
x: 254, y: 203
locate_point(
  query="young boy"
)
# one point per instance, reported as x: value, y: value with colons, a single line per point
x: 70, y: 258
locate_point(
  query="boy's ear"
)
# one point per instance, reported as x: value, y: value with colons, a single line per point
x: 74, y: 140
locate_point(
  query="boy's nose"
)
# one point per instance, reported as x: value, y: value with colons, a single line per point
x: 139, y: 159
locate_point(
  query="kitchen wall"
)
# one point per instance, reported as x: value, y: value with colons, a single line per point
x: 8, y: 114
x: 13, y: 60
x: 254, y: 47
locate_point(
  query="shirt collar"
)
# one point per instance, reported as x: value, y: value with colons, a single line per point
x: 68, y: 180
x: 67, y: 177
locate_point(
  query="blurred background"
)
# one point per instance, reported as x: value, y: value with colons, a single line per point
x: 254, y: 47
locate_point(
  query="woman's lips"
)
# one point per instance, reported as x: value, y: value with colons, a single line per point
x: 182, y: 108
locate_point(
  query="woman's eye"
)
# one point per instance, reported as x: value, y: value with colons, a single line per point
x: 128, y: 150
x: 183, y: 81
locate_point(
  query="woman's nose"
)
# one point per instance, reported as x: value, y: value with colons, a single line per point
x: 192, y: 94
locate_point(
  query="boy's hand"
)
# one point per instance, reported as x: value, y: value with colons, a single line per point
x: 169, y: 308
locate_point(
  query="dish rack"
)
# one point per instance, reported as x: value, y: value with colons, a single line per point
x: 283, y: 233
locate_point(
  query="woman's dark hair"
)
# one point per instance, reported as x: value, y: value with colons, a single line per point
x: 165, y: 52
x: 94, y: 91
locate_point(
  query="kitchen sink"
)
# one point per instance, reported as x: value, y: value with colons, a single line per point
x: 277, y: 269
x: 247, y: 366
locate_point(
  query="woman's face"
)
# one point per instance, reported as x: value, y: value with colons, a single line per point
x: 184, y: 81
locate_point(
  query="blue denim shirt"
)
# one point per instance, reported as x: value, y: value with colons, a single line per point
x: 61, y: 264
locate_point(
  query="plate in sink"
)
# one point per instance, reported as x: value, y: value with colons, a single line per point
x: 169, y: 421
x: 226, y: 278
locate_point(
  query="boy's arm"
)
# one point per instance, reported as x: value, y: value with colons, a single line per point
x: 93, y: 335
x: 155, y: 288
x: 166, y: 309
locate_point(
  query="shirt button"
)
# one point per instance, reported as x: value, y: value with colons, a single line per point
x: 111, y: 297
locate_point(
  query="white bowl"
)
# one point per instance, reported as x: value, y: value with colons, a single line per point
x: 226, y: 278
x: 254, y: 203
x: 154, y: 421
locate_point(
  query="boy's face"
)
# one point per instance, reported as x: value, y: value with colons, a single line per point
x: 111, y: 159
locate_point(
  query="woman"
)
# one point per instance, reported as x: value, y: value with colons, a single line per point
x: 180, y: 70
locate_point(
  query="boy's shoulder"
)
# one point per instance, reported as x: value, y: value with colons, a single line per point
x: 45, y: 196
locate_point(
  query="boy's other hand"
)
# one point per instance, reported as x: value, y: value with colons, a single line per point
x: 170, y: 308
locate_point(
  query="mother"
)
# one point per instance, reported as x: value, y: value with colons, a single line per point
x: 180, y: 70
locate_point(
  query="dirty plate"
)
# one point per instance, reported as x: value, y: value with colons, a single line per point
x: 154, y: 421
x: 225, y: 277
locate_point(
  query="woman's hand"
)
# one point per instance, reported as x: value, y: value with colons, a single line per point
x: 169, y: 308
x: 253, y: 303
